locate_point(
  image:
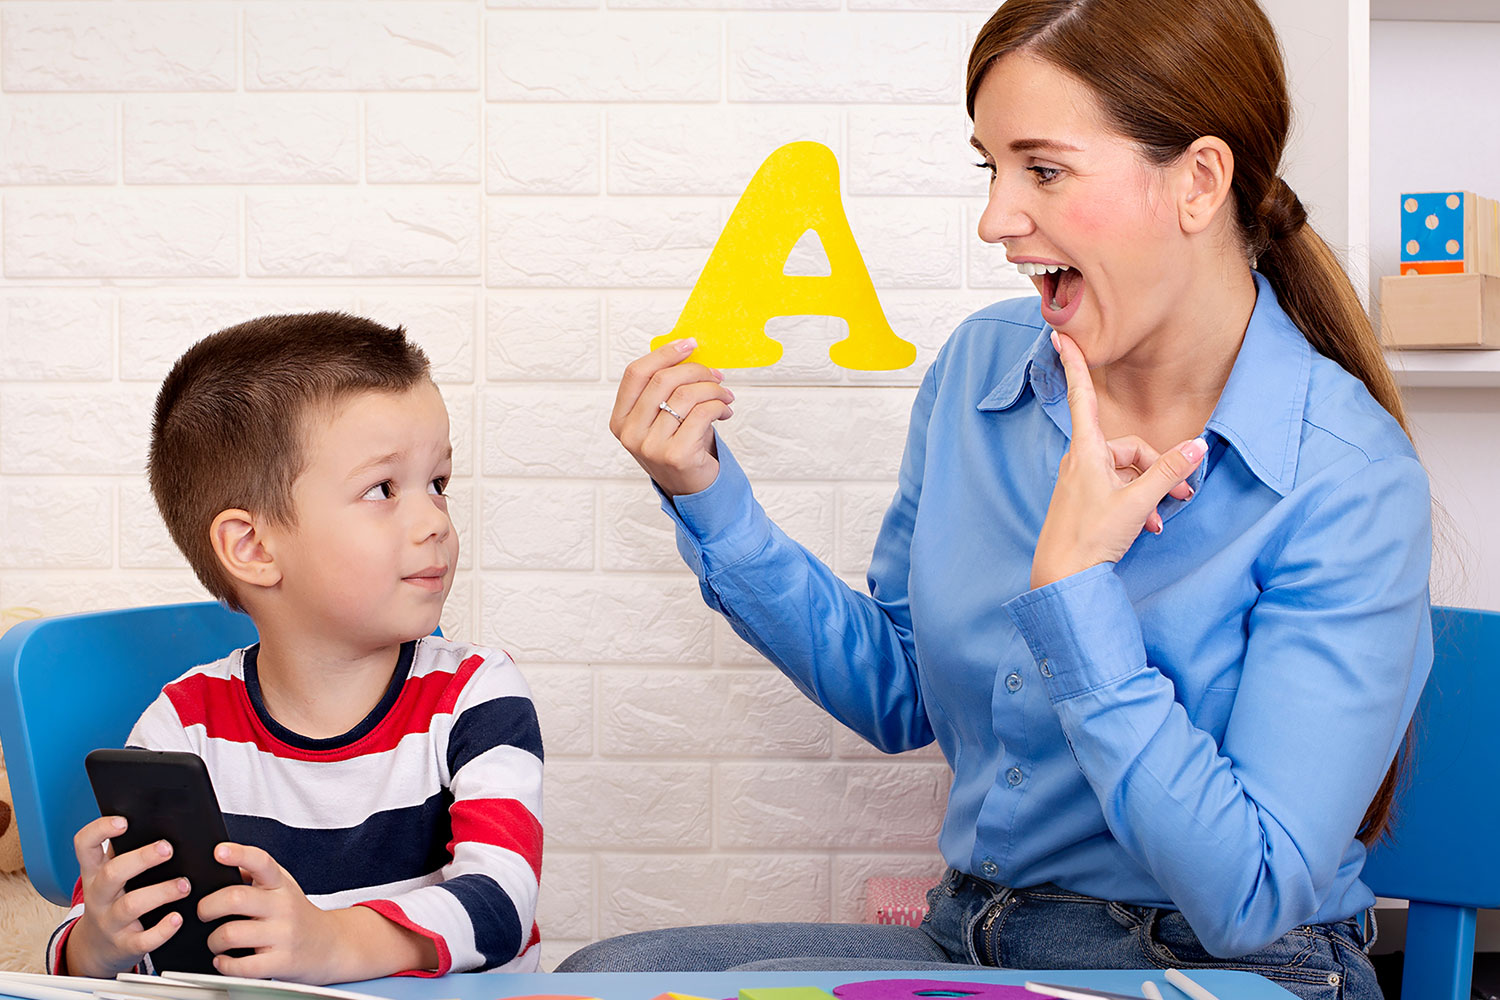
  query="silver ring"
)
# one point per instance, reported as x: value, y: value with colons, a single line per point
x: 663, y: 406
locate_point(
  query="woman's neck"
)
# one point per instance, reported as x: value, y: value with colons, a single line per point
x: 1165, y: 389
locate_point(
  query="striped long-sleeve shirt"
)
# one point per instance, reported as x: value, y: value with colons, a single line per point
x: 428, y: 811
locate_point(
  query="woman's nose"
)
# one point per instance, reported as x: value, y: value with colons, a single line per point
x: 1003, y: 217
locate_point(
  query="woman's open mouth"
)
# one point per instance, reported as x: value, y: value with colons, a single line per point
x: 1061, y: 287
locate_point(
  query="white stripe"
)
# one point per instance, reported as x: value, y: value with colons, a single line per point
x: 503, y: 772
x: 348, y: 897
x: 440, y: 911
x: 327, y: 794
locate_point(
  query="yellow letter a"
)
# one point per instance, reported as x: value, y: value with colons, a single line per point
x: 744, y: 282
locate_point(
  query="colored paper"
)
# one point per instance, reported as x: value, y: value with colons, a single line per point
x: 928, y: 989
x: 745, y: 283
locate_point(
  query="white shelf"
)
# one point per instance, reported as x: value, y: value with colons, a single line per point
x: 1457, y: 369
x: 1435, y: 10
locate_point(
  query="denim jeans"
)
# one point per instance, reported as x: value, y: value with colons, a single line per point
x: 971, y: 922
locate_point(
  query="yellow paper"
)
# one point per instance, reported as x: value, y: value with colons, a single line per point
x: 744, y: 283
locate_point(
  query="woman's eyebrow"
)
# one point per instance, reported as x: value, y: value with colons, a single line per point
x: 1052, y: 145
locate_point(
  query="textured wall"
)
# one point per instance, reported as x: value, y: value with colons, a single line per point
x: 531, y: 189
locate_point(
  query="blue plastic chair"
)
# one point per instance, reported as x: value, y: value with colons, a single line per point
x: 1440, y: 854
x: 74, y: 683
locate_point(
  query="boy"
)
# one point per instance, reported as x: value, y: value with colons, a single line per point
x: 382, y: 787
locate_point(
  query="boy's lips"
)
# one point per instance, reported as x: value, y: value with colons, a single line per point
x: 430, y: 578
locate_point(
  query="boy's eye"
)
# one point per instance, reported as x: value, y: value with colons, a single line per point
x: 380, y: 491
x: 438, y: 486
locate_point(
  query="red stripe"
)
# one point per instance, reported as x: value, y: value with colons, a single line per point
x: 500, y: 822
x: 221, y: 705
x: 536, y: 937
x: 397, y: 916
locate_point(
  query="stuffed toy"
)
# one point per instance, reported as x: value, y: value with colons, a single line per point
x: 26, y: 919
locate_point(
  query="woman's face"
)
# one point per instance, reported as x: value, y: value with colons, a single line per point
x: 1070, y: 195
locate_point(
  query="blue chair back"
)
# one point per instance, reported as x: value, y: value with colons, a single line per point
x: 71, y: 684
x: 1440, y: 853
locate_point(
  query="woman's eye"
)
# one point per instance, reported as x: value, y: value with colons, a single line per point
x: 987, y: 166
x: 380, y: 491
x: 1045, y: 175
x: 438, y: 486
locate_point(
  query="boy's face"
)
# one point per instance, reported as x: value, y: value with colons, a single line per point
x: 370, y: 559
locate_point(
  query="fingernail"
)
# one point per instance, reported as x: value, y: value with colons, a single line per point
x: 1195, y: 449
x: 182, y: 886
x: 118, y: 823
x: 1191, y: 493
x: 222, y: 852
x: 163, y: 848
x: 176, y: 919
x: 1055, y: 346
x: 717, y: 374
x: 730, y: 394
x: 685, y: 344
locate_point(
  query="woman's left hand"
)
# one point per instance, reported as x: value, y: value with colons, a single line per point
x: 1101, y: 503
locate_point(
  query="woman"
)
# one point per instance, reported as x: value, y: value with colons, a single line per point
x: 1155, y: 575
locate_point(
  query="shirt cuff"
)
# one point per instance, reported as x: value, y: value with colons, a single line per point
x: 1082, y: 631
x: 722, y: 524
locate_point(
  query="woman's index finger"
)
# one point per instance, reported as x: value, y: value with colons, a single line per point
x: 1083, y: 405
x: 638, y: 373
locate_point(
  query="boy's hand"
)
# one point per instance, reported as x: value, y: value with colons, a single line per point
x: 109, y: 937
x: 296, y: 940
x: 293, y: 939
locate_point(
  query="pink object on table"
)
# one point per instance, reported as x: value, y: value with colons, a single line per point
x: 896, y: 900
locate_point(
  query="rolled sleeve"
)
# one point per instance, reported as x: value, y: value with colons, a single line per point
x: 1082, y: 631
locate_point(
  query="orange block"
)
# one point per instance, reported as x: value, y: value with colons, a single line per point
x: 1432, y: 267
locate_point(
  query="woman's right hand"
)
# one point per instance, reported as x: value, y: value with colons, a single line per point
x: 676, y: 451
x: 109, y: 937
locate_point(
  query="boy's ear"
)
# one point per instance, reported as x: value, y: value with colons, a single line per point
x: 238, y: 542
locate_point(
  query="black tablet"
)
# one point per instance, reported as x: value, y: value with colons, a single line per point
x: 168, y: 796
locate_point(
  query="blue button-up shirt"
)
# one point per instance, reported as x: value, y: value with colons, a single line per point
x: 1200, y: 725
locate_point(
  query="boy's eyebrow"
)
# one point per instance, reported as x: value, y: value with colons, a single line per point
x: 395, y: 456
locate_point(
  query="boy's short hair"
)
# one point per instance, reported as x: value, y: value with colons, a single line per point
x: 228, y: 431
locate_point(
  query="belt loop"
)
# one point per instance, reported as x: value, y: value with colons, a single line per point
x: 1372, y: 929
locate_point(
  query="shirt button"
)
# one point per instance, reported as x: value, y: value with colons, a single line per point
x: 1013, y: 683
x: 1044, y: 667
x: 990, y: 868
x: 1013, y: 777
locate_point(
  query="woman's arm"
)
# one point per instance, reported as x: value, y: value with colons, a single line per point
x: 852, y: 653
x: 1246, y: 839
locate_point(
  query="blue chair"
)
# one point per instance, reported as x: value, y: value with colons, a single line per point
x: 71, y: 684
x: 1440, y: 853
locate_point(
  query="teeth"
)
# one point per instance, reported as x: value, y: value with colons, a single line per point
x: 1030, y: 269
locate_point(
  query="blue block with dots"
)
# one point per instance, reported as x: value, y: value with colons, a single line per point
x: 1432, y: 226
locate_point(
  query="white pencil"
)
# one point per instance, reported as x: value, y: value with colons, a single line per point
x: 29, y: 989
x: 1149, y: 991
x: 1186, y: 985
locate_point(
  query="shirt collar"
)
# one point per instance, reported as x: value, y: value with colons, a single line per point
x: 1260, y: 411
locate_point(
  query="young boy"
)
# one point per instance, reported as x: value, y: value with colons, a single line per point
x: 382, y: 787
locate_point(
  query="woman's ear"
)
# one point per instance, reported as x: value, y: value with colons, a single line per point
x: 241, y: 548
x: 1207, y: 175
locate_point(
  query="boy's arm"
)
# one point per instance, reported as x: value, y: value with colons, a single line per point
x: 482, y: 915
x: 158, y: 728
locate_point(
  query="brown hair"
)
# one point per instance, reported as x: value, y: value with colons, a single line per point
x: 228, y: 431
x: 1167, y: 72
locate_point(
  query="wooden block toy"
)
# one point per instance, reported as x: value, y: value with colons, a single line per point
x: 1432, y: 267
x: 1440, y: 311
x: 1441, y: 229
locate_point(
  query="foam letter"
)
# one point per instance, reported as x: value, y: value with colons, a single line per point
x: 745, y: 282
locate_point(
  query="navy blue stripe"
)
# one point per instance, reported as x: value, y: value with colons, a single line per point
x: 497, y: 926
x: 390, y: 846
x: 498, y: 722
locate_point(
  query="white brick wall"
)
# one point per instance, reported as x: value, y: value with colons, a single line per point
x: 531, y: 187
